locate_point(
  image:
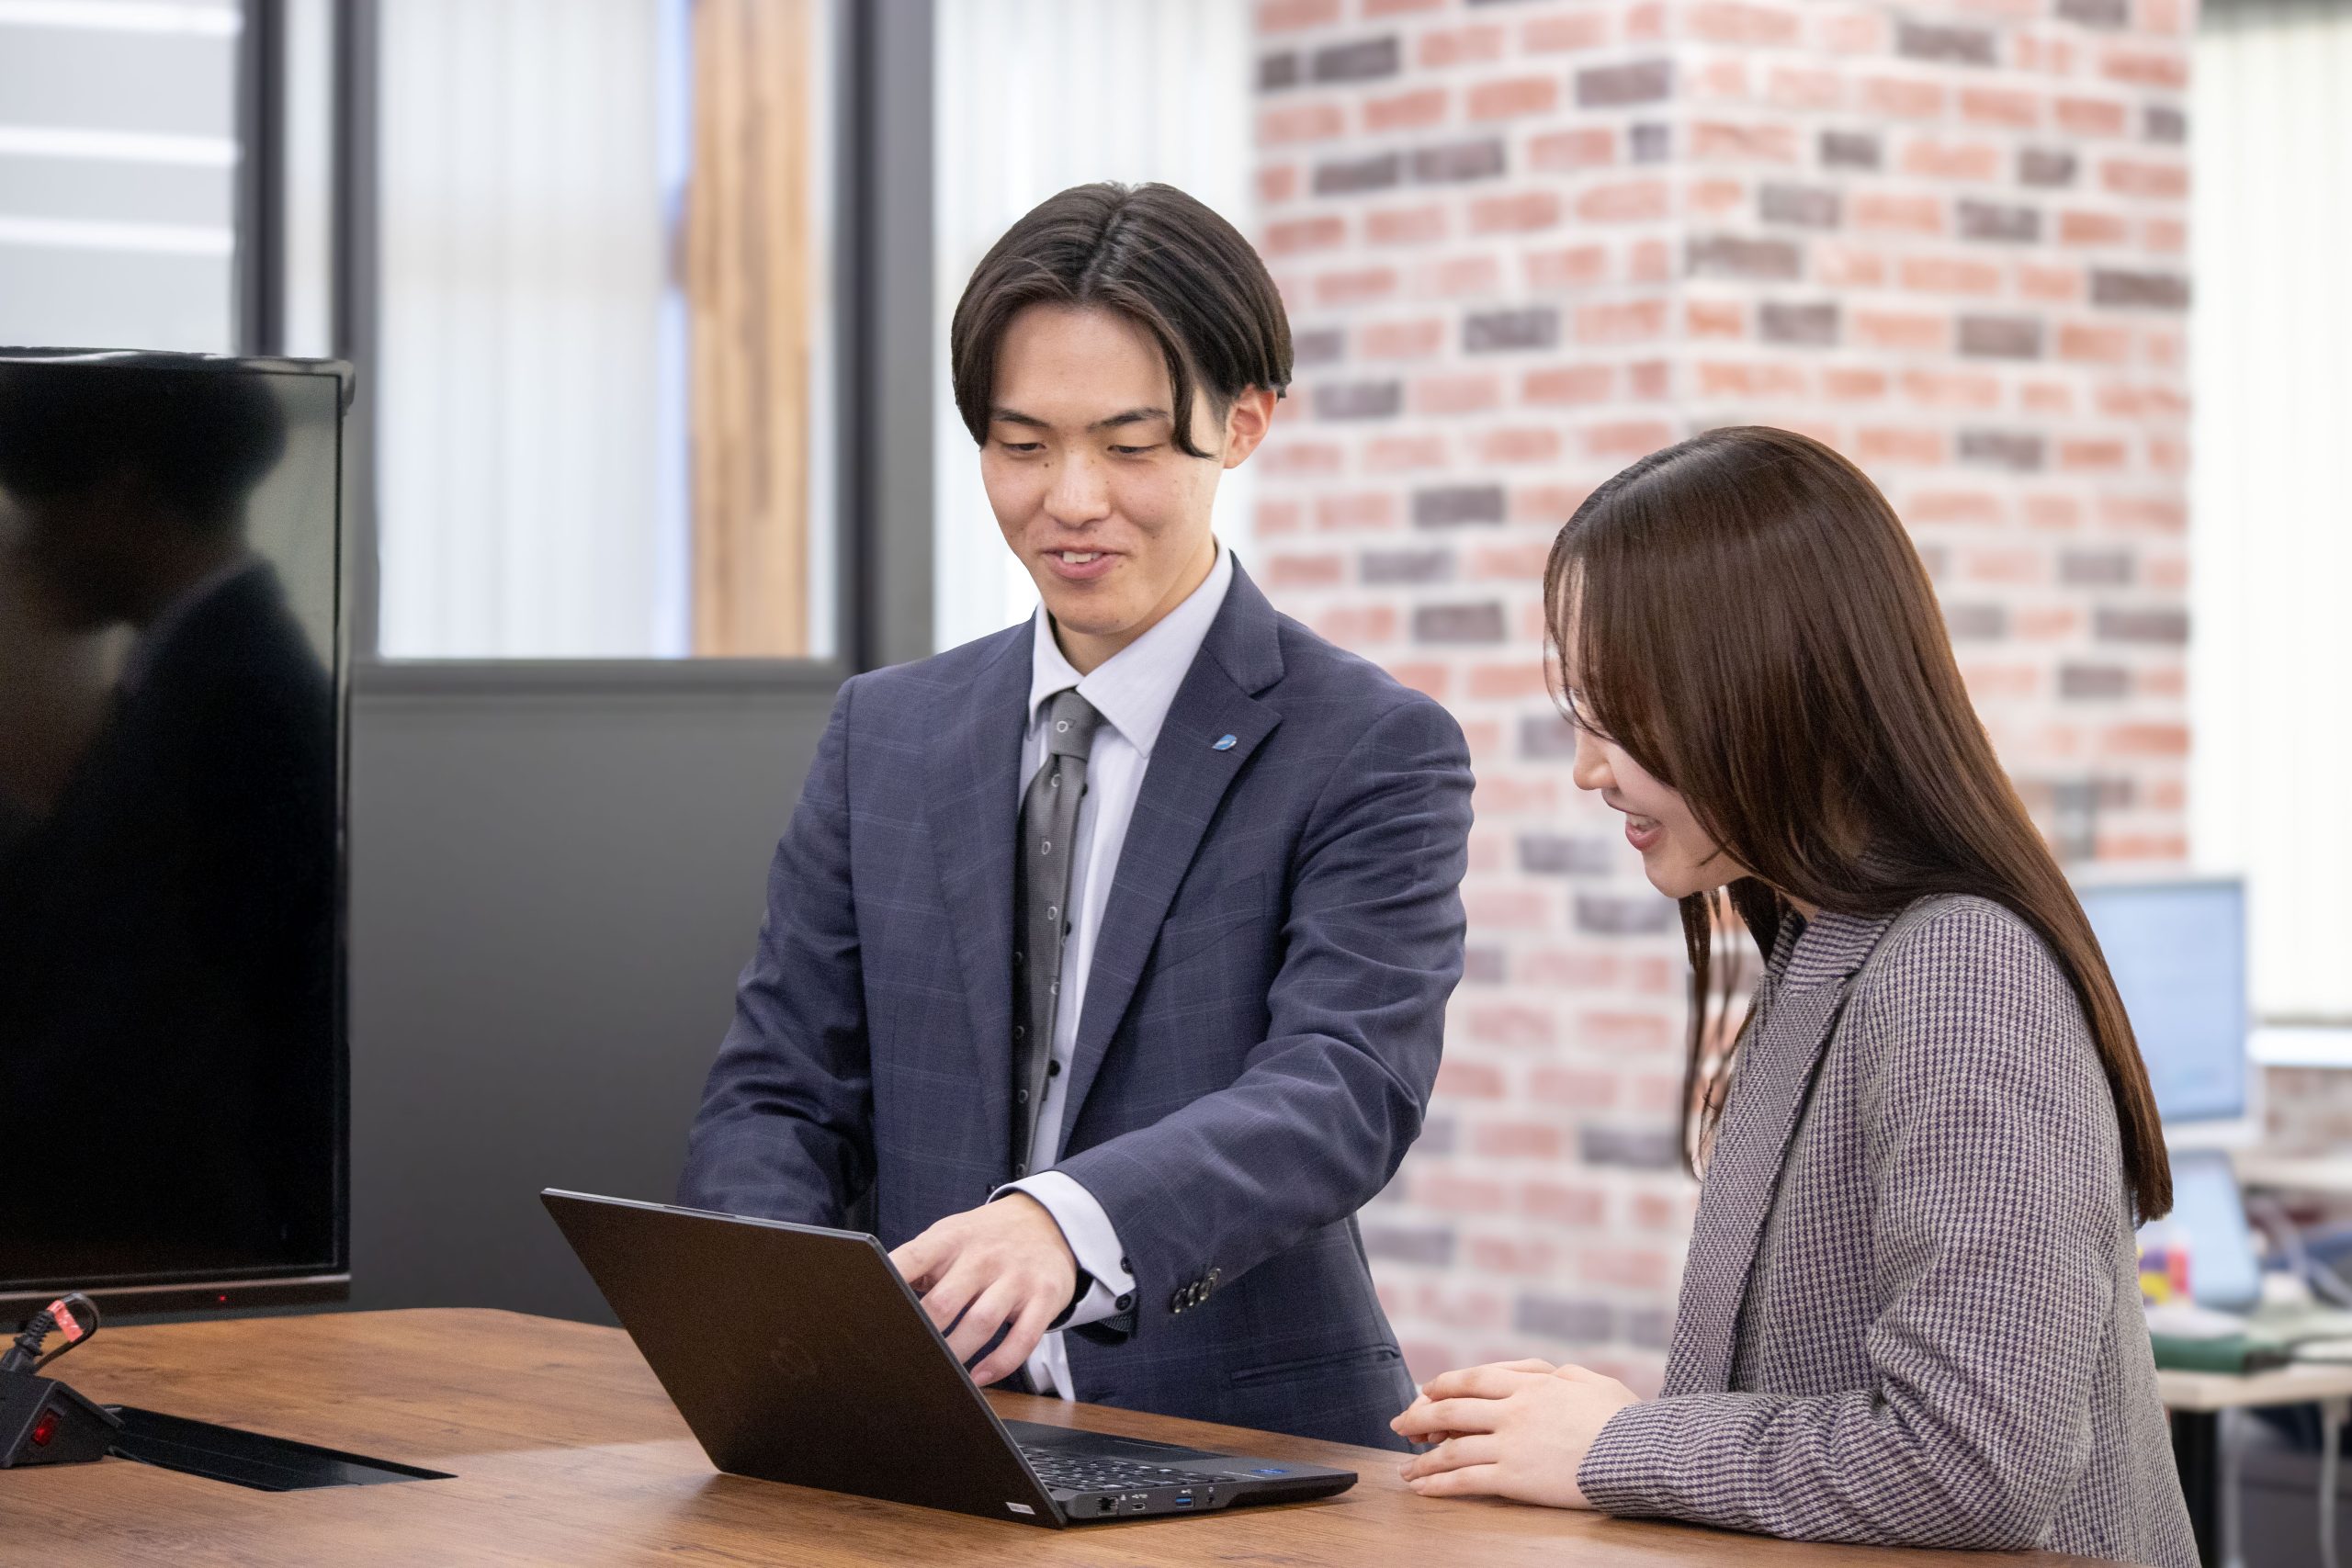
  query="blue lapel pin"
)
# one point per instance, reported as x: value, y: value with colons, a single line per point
x: 1224, y: 743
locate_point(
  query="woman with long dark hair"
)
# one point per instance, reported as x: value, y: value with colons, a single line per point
x: 1910, y: 1313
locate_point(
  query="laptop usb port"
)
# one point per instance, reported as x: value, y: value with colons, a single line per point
x: 1183, y: 1499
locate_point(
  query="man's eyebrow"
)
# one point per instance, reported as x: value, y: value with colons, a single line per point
x: 1112, y: 422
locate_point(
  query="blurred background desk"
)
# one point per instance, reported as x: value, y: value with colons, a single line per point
x: 565, y: 1450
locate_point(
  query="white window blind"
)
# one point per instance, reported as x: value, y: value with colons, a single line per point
x: 2271, y: 347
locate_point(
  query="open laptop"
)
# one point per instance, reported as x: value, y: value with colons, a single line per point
x: 799, y: 1354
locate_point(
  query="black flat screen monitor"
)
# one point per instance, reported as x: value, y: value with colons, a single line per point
x: 172, y: 723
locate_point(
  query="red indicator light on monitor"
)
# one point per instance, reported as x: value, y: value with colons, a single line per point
x: 44, y: 1428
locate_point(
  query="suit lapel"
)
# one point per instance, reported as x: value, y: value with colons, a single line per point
x: 973, y: 801
x: 1776, y: 1066
x: 1182, y: 787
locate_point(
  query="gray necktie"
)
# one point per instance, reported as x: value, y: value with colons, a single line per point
x: 1041, y: 884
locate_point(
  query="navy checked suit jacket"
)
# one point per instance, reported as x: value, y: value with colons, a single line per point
x: 1261, y: 1026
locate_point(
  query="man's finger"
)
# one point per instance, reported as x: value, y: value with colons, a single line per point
x: 1476, y: 1382
x: 919, y: 1259
x: 1020, y: 1341
x: 1471, y: 1481
x: 1476, y: 1448
x: 952, y: 1294
x: 989, y: 1312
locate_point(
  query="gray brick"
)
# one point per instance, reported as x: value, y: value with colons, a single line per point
x: 1360, y: 400
x: 2019, y: 451
x: 1546, y: 738
x: 2047, y: 166
x: 1410, y: 1244
x: 1998, y: 221
x: 1806, y: 326
x: 1809, y: 207
x: 2165, y: 122
x: 1458, y: 623
x: 1276, y: 71
x: 1565, y: 854
x: 1408, y: 566
x: 1952, y: 45
x: 1642, y: 1149
x: 1650, y: 1328
x: 1485, y: 965
x: 1556, y: 1317
x: 2000, y: 337
x: 1365, y: 60
x: 1486, y: 331
x: 1458, y: 161
x: 1346, y: 176
x: 1320, y: 345
x: 1850, y: 150
x: 2096, y: 569
x: 2094, y: 683
x: 1976, y: 623
x: 1440, y: 1136
x: 1612, y: 86
x: 2159, y: 290
x: 2159, y: 623
x: 2097, y: 13
x: 1619, y: 914
x: 1935, y: 560
x: 1730, y: 255
x: 1650, y: 143
x: 1449, y: 504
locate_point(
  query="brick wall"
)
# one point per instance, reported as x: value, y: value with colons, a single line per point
x: 1523, y: 242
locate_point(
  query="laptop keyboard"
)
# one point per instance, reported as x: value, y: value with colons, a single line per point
x: 1077, y: 1472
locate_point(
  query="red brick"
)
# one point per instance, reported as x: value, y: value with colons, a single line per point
x: 2091, y: 117
x: 1630, y: 321
x: 1402, y: 454
x: 2163, y: 515
x: 1848, y: 266
x: 1477, y: 45
x: 1520, y: 444
x: 1630, y: 439
x: 1516, y: 1257
x: 1627, y: 201
x: 1974, y: 507
x: 2076, y: 228
x: 1906, y: 330
x: 1573, y: 267
x: 2053, y: 513
x: 1377, y: 8
x: 2164, y: 16
x: 1407, y: 225
x: 1278, y: 183
x: 1852, y: 32
x: 1458, y: 275
x: 1508, y: 908
x: 1429, y: 677
x: 1472, y: 392
x: 1585, y: 27
x: 1650, y: 260
x: 1300, y: 122
x: 1898, y: 212
x: 2087, y: 343
x: 1567, y: 384
x: 1715, y: 318
x: 1525, y: 678
x: 2009, y: 106
x: 1889, y: 444
x: 2166, y: 235
x: 1327, y: 570
x: 2103, y: 453
x: 1514, y: 97
x: 2146, y: 66
x: 1901, y: 98
x: 2010, y: 566
x: 1773, y: 379
x: 1318, y: 234
x: 1288, y: 15
x: 1585, y: 147
x: 1767, y: 142
x: 1853, y: 384
x: 1635, y: 1269
x: 1358, y: 625
x: 1278, y: 515
x: 1517, y: 1140
x: 1647, y: 378
x: 1561, y: 1203
x: 1454, y: 1193
x: 1806, y: 88
x: 1714, y: 198
x: 1355, y: 285
x: 1522, y: 212
x: 1416, y: 339
x: 1646, y: 20
x: 2145, y: 740
x: 1950, y: 275
x: 1929, y: 159
x: 1502, y: 1023
x: 1358, y: 512
x: 1720, y: 79
x: 2046, y: 397
x: 1414, y: 111
x: 2045, y: 52
x: 2050, y: 284
x: 1726, y: 21
x: 1293, y: 455
x: 1972, y: 390
x: 2139, y: 177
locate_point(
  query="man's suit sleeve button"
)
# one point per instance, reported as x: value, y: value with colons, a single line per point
x: 1123, y: 1303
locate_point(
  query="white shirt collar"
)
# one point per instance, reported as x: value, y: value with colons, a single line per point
x: 1135, y: 687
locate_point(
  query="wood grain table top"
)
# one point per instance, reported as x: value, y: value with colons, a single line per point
x: 565, y: 1450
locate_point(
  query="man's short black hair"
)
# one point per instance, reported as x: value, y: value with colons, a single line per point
x: 1151, y: 253
x: 201, y: 438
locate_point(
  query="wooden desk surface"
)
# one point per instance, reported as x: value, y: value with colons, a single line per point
x: 566, y: 1452
x: 2205, y: 1392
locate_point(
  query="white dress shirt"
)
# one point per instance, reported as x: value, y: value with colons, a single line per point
x: 1133, y: 691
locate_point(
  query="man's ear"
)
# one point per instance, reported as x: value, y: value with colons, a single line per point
x: 1245, y: 424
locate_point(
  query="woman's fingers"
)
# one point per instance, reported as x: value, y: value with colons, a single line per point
x: 1455, y: 1452
x: 1471, y: 1481
x: 1493, y: 1381
x: 1423, y: 1423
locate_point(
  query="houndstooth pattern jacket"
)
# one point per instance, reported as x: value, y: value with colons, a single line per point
x: 1911, y: 1313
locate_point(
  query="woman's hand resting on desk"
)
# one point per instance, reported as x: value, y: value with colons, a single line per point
x: 1517, y: 1429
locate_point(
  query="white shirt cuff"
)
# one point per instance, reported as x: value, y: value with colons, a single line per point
x: 1091, y: 1241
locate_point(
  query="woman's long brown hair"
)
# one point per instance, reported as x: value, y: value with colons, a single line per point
x: 1747, y: 620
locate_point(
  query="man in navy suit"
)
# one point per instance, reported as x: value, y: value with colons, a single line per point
x: 1106, y: 958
